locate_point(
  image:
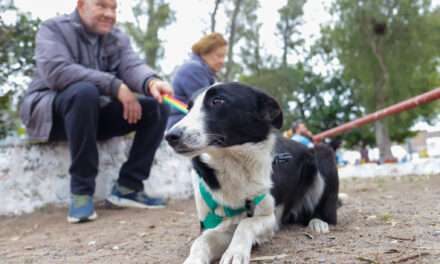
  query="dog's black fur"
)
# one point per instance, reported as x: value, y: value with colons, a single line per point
x: 292, y: 180
x: 230, y: 134
x: 206, y: 172
x: 257, y: 114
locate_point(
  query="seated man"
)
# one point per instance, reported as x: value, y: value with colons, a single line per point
x: 301, y: 134
x: 84, y: 89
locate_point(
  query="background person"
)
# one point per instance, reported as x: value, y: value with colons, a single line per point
x: 365, y: 157
x: 84, y: 89
x: 207, y: 59
x: 302, y: 134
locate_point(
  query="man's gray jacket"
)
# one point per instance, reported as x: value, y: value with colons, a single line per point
x: 66, y: 53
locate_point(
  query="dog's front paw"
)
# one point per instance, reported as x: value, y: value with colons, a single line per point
x: 235, y: 257
x: 196, y: 260
x: 318, y: 226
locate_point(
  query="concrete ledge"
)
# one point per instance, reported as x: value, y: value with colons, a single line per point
x: 428, y: 166
x: 34, y: 175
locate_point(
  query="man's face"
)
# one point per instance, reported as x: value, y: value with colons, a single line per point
x: 98, y: 16
x: 301, y: 129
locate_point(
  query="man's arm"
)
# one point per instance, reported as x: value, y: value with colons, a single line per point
x: 133, y: 71
x: 57, y: 66
x: 138, y: 76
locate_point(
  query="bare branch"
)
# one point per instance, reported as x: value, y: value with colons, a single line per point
x: 213, y: 15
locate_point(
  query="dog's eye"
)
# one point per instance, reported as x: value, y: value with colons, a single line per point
x: 216, y: 101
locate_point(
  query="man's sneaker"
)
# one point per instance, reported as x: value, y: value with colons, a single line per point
x: 81, y: 209
x: 124, y: 197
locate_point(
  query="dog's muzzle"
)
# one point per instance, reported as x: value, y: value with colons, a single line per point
x: 175, y: 138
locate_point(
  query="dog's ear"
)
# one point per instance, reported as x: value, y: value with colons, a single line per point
x: 269, y: 110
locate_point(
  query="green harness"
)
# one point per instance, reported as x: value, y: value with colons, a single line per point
x: 212, y: 219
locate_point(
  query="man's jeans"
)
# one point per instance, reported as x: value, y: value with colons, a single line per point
x: 81, y: 120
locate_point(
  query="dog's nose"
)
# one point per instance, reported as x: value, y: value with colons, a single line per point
x: 174, y: 136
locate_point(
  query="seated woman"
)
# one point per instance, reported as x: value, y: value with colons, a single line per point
x: 207, y: 59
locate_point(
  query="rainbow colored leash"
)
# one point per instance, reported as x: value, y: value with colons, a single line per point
x: 176, y: 104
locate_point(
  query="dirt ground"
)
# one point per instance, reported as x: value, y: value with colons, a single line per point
x: 385, y: 220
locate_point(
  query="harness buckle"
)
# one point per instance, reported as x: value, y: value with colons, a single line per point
x: 281, y: 158
x: 250, y: 207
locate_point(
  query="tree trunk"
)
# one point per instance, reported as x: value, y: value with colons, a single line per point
x: 383, y: 140
x: 257, y: 54
x: 213, y: 15
x: 232, y: 30
x: 286, y: 39
x: 151, y: 53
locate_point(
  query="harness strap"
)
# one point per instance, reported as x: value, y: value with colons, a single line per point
x: 207, y: 197
x: 212, y: 219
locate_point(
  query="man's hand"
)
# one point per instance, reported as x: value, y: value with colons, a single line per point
x: 157, y: 88
x: 132, y: 108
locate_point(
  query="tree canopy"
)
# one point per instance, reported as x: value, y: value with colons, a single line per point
x: 151, y: 16
x: 388, y: 49
x: 16, y: 60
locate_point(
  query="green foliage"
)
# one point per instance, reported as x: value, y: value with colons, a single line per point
x: 322, y: 103
x: 243, y: 31
x: 389, y: 49
x: 151, y: 16
x: 250, y: 53
x: 17, y: 43
x: 287, y: 26
x: 235, y: 25
x: 278, y: 82
x: 16, y: 61
x: 5, y: 124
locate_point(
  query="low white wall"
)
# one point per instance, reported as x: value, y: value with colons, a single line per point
x: 428, y: 166
x: 34, y: 175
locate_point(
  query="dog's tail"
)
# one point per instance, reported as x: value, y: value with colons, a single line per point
x: 326, y: 162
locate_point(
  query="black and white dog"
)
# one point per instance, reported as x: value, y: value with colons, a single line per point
x: 250, y: 180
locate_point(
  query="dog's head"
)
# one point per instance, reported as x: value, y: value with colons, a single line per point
x: 223, y: 115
